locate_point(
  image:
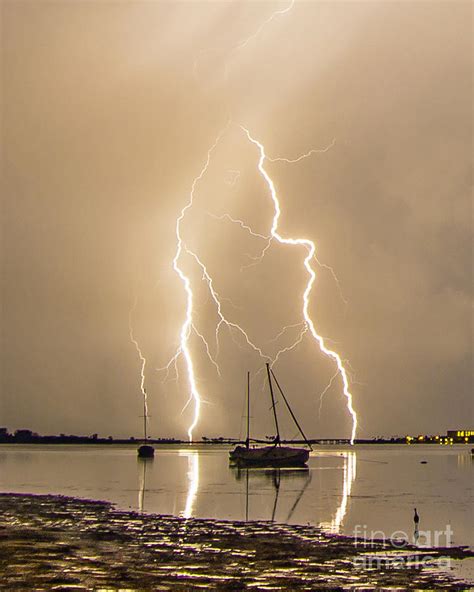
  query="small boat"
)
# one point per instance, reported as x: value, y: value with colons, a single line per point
x: 145, y: 450
x: 274, y: 455
x: 269, y: 456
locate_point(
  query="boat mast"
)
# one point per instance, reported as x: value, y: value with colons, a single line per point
x: 144, y: 415
x: 277, y: 439
x: 291, y: 411
x: 247, y: 441
x: 276, y: 483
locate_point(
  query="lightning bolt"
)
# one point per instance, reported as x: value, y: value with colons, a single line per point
x: 188, y: 322
x: 188, y: 325
x: 240, y: 223
x: 299, y: 339
x: 300, y: 325
x: 141, y: 358
x: 303, y: 156
x: 222, y: 319
x: 321, y: 396
x: 268, y: 239
x: 244, y: 42
x: 334, y: 277
x: 310, y: 250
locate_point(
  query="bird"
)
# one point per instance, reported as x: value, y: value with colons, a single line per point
x: 416, y: 518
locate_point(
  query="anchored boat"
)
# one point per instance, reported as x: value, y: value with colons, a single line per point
x: 274, y: 455
x: 145, y: 450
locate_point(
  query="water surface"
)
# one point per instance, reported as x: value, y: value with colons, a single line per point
x: 367, y: 491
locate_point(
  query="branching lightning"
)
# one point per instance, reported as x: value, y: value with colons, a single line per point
x: 310, y: 249
x: 268, y: 239
x: 302, y: 156
x: 237, y: 333
x: 189, y: 325
x: 188, y: 322
x: 244, y: 42
x: 142, y: 360
x: 334, y: 276
x: 241, y: 224
x: 321, y: 396
x: 222, y: 319
x: 300, y: 325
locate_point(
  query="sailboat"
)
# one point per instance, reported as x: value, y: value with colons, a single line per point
x: 145, y: 450
x: 274, y: 455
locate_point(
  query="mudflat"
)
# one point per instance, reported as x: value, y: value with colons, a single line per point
x: 61, y: 543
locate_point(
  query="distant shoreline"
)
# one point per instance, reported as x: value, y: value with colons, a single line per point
x: 26, y: 436
x: 58, y: 440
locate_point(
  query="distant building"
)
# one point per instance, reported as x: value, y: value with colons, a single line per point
x: 461, y: 435
x: 451, y: 437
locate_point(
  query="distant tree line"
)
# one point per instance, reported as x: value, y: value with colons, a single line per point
x: 29, y: 437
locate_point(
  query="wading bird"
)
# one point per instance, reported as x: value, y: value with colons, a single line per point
x: 416, y: 519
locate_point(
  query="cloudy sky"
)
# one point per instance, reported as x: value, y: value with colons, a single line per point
x: 108, y: 112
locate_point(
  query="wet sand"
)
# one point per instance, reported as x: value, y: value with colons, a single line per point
x: 59, y: 543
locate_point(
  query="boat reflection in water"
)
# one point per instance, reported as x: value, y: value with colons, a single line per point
x: 255, y: 476
x: 349, y: 475
x: 143, y: 463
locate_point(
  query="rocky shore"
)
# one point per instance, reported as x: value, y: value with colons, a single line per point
x: 58, y: 543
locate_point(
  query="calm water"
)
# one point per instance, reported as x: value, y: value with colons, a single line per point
x: 372, y: 488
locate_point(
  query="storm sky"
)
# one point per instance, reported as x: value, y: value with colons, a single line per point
x: 108, y: 111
